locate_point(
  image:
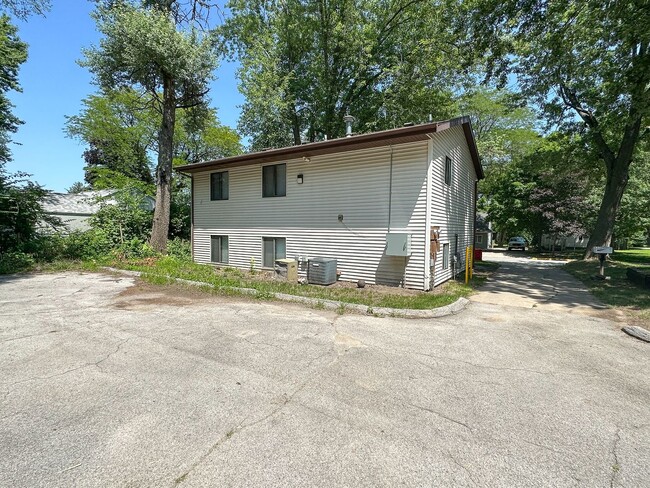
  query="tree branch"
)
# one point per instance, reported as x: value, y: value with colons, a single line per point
x: 570, y: 99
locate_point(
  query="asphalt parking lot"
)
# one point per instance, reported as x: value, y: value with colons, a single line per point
x: 105, y: 382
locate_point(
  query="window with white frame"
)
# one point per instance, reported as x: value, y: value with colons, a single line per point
x: 273, y: 248
x: 219, y: 249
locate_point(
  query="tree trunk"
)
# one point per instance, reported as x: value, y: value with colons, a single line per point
x: 164, y: 168
x: 617, y: 179
x: 295, y: 126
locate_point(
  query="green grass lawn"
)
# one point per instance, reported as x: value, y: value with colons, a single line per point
x: 618, y: 291
x: 156, y: 270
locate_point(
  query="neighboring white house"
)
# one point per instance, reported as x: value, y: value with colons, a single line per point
x: 564, y: 242
x: 413, y: 187
x: 74, y: 209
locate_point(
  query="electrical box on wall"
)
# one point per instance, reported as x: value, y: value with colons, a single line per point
x: 398, y: 244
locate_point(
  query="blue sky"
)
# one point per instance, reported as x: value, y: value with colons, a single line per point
x: 54, y: 85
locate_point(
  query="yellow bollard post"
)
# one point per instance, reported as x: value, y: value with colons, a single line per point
x: 466, y: 265
x: 471, y: 266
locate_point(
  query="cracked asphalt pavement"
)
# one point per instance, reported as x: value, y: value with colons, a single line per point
x: 110, y: 382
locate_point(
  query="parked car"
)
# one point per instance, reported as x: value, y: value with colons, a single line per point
x: 517, y: 243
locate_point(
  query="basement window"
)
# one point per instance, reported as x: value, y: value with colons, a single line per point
x: 219, y: 249
x: 445, y: 256
x: 273, y: 248
x: 274, y: 180
x: 219, y: 186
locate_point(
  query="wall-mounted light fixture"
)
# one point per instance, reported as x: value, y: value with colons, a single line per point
x: 299, y: 179
x: 306, y: 159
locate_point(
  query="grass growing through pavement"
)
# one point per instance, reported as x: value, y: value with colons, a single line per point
x: 618, y: 291
x: 157, y: 269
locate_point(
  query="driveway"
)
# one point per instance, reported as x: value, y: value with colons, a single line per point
x: 106, y: 382
x: 522, y: 281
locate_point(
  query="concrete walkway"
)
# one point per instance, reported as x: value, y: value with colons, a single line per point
x: 525, y: 282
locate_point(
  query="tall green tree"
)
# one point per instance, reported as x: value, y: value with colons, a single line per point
x: 586, y: 64
x: 306, y: 63
x: 504, y: 126
x: 548, y: 190
x: 155, y: 47
x: 200, y: 136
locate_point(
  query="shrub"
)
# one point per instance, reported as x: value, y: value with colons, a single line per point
x: 46, y: 247
x: 124, y: 217
x: 20, y: 210
x: 134, y: 249
x: 12, y: 262
x: 179, y: 249
x: 90, y: 244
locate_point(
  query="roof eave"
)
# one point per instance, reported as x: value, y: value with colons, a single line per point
x: 362, y: 141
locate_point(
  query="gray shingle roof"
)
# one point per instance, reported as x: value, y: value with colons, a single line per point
x: 85, y: 203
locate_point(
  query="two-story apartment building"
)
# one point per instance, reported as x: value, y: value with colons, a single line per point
x: 394, y: 207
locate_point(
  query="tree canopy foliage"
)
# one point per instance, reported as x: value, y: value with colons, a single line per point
x: 24, y: 8
x: 119, y: 129
x: 586, y: 64
x: 504, y: 126
x: 306, y: 63
x: 13, y: 53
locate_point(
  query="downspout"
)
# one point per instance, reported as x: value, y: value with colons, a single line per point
x: 428, y: 278
x: 390, y: 188
x: 390, y: 207
x: 475, y: 205
x: 192, y: 215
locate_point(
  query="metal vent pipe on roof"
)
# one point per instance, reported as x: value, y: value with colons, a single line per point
x: 348, y: 119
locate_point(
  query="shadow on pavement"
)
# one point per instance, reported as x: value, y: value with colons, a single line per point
x: 523, y: 281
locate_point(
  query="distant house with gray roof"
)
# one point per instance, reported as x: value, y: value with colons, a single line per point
x: 74, y: 209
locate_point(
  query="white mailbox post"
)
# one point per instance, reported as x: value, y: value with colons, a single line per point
x: 602, y: 252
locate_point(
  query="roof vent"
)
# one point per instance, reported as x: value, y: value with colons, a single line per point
x: 348, y: 119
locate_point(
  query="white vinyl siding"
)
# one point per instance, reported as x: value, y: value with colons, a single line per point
x: 354, y: 184
x: 452, y: 206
